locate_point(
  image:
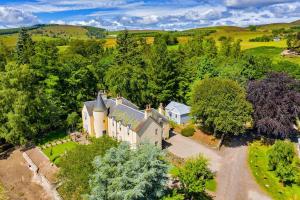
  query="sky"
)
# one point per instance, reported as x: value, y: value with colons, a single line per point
x: 147, y: 14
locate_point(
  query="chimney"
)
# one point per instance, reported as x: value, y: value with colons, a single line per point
x: 119, y: 100
x: 161, y: 109
x: 148, y: 111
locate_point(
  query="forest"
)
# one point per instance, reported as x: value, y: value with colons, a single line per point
x: 43, y: 89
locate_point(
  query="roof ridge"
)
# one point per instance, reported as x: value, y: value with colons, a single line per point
x: 131, y: 108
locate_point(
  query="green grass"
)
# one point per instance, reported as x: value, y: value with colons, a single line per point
x: 211, y: 185
x: 53, y: 136
x: 266, y: 179
x: 273, y: 53
x: 58, y: 151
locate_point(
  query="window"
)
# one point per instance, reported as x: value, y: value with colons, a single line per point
x: 104, y: 121
x: 156, y: 143
x: 175, y: 115
x: 104, y: 132
x: 156, y: 131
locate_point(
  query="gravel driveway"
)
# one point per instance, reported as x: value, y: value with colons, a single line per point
x: 234, y: 179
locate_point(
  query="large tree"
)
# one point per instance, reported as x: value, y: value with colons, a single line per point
x: 161, y: 73
x: 221, y: 105
x: 24, y: 48
x: 276, y: 101
x: 129, y: 174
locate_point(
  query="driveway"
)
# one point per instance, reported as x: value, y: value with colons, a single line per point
x: 234, y: 179
x: 18, y: 180
x: 185, y: 147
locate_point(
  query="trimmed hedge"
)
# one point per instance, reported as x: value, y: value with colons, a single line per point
x: 188, y: 131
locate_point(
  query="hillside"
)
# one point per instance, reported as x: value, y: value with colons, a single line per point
x: 67, y: 32
x: 52, y: 32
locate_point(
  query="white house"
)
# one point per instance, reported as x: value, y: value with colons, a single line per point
x: 121, y: 119
x: 178, y: 112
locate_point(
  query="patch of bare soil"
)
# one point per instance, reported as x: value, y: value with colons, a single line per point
x: 204, y: 138
x: 17, y: 179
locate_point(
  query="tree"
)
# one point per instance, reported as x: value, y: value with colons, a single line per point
x: 161, y: 74
x: 221, y: 105
x: 76, y: 167
x: 127, y: 50
x: 130, y: 82
x: 24, y: 48
x: 252, y: 27
x: 280, y: 159
x: 124, y: 173
x: 193, y: 176
x: 293, y: 42
x: 276, y: 102
x: 281, y: 152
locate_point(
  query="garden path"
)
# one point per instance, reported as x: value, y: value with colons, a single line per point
x: 234, y: 179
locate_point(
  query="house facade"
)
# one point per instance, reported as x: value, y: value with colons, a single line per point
x: 122, y: 120
x: 178, y: 112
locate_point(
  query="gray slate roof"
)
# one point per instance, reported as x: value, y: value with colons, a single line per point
x: 128, y: 114
x: 179, y: 108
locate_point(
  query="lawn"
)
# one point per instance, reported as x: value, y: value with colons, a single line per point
x: 266, y: 179
x: 58, y: 150
x: 273, y: 53
x: 54, y: 152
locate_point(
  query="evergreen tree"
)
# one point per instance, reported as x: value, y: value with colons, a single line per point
x: 126, y: 174
x: 24, y: 48
x: 161, y: 74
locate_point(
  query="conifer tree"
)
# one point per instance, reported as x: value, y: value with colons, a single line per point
x: 24, y: 48
x: 129, y: 174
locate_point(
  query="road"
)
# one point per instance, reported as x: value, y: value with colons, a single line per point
x: 234, y: 179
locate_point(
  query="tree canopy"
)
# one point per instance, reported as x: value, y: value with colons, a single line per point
x: 221, y: 105
x: 124, y: 173
x: 276, y: 101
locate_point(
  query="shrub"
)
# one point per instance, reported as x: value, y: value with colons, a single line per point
x: 188, y: 131
x: 281, y: 152
x: 286, y: 173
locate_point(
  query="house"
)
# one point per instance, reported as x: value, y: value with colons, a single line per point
x: 178, y: 112
x: 276, y: 39
x: 121, y: 119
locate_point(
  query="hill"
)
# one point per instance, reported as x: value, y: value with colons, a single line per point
x: 53, y: 32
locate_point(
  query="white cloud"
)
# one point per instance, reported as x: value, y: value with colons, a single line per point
x: 10, y: 17
x: 257, y: 3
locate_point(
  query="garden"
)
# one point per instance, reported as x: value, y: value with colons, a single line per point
x: 55, y: 144
x: 268, y: 179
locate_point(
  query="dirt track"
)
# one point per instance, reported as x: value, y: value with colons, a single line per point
x: 17, y: 179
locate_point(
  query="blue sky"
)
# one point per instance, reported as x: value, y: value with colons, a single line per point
x: 147, y: 14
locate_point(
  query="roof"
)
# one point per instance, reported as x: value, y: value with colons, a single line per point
x: 109, y: 103
x: 127, y: 113
x: 179, y: 108
x: 99, y: 106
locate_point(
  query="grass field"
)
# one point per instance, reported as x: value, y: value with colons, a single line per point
x: 267, y: 179
x: 273, y: 53
x: 58, y: 151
